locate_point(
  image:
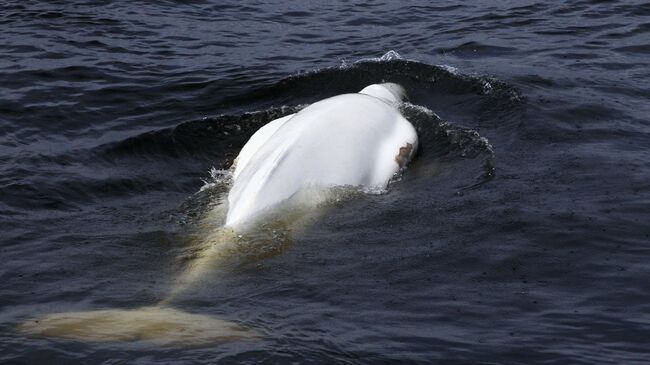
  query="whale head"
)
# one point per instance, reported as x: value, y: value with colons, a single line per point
x: 390, y: 92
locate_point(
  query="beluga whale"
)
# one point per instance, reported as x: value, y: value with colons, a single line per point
x: 358, y: 140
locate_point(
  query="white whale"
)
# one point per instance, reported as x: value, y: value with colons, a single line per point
x: 351, y: 139
x: 347, y: 140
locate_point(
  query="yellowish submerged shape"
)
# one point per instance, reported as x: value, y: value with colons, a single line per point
x: 157, y: 325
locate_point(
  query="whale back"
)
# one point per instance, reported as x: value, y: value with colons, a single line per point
x: 351, y: 139
x: 256, y: 142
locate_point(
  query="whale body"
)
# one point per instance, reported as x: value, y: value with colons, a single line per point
x: 358, y: 139
x: 352, y: 139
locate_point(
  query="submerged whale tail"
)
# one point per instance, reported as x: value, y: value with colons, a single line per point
x: 161, y: 324
x: 157, y: 325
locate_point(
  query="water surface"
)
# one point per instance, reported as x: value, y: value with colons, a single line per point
x: 519, y: 234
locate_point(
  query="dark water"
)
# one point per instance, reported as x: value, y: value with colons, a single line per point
x: 519, y: 234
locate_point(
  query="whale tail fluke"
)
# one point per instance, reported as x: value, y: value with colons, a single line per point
x: 160, y: 324
x: 157, y: 325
